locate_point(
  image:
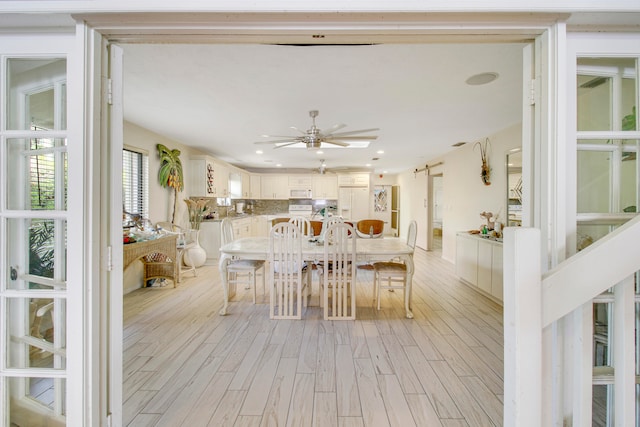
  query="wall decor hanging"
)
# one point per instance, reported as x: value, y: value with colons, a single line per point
x: 170, y: 173
x: 485, y: 173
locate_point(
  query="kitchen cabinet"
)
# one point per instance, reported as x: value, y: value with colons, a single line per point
x: 246, y: 184
x: 479, y: 263
x: 325, y: 187
x: 353, y: 180
x: 241, y: 227
x: 353, y: 203
x: 200, y: 177
x: 210, y: 240
x: 260, y: 226
x: 220, y: 179
x: 255, y: 186
x: 300, y: 182
x: 274, y: 187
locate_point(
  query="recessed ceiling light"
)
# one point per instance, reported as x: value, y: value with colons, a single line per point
x: 278, y: 165
x: 319, y: 152
x: 368, y: 165
x: 482, y: 79
x: 380, y: 151
x: 259, y: 151
x: 384, y: 171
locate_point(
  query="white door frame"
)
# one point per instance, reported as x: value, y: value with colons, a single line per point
x: 215, y: 29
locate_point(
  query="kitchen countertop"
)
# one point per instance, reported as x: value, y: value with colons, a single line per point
x: 487, y: 237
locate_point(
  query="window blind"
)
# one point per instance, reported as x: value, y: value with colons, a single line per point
x: 135, y: 183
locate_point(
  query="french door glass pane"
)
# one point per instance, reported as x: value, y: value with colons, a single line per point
x: 36, y: 250
x: 594, y: 181
x: 40, y: 392
x: 594, y: 103
x: 41, y: 163
x: 601, y: 334
x: 606, y: 94
x: 602, y: 405
x: 37, y: 341
x: 36, y: 94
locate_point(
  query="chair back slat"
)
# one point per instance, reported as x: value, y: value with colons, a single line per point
x: 339, y: 272
x: 303, y: 224
x: 287, y: 271
x: 226, y: 231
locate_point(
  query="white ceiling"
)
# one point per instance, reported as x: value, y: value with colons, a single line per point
x: 222, y: 98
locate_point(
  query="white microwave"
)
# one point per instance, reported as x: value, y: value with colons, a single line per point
x: 296, y: 193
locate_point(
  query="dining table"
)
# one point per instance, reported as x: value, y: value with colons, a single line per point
x: 367, y: 251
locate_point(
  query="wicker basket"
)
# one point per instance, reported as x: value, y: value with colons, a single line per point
x: 158, y: 257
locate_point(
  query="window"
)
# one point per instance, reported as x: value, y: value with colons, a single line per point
x: 135, y: 183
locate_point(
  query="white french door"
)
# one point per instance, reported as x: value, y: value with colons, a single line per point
x: 38, y: 202
x: 604, y: 73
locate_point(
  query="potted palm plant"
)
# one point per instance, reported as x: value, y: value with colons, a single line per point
x: 170, y: 173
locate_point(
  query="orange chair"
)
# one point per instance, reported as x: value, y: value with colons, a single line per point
x: 370, y: 228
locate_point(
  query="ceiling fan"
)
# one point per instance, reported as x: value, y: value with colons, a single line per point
x: 314, y: 137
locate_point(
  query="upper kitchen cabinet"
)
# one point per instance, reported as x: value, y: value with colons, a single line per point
x: 221, y: 179
x: 200, y: 177
x: 353, y: 180
x: 274, y: 187
x: 246, y: 184
x: 207, y: 177
x: 255, y: 185
x: 325, y: 187
x: 235, y: 184
x: 300, y: 182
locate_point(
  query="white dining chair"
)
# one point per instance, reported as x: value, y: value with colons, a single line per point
x: 338, y: 273
x: 393, y: 275
x: 289, y: 282
x: 303, y: 224
x: 241, y: 271
x: 328, y: 222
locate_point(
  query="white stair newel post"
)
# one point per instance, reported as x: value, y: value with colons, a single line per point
x: 522, y: 328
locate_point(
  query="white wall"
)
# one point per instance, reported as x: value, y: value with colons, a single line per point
x: 464, y: 194
x: 160, y: 199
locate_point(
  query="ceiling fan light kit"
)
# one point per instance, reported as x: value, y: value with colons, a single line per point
x: 314, y: 138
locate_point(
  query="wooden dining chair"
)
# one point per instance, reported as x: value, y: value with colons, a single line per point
x: 289, y: 279
x: 393, y: 275
x: 316, y: 228
x: 370, y: 228
x: 338, y: 273
x: 241, y: 271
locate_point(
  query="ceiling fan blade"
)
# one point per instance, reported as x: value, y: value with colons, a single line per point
x: 352, y: 132
x: 352, y: 138
x: 299, y: 130
x: 293, y: 140
x: 333, y: 129
x: 331, y: 141
x: 287, y: 144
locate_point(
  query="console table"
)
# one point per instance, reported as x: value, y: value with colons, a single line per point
x: 159, y: 257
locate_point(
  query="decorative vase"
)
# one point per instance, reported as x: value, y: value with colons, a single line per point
x: 195, y: 256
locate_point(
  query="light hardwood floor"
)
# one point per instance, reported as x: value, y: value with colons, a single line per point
x: 184, y: 365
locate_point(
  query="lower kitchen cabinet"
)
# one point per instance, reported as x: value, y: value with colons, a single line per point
x: 210, y: 239
x: 479, y: 263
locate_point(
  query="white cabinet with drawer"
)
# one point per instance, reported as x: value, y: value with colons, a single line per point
x: 479, y: 263
x: 241, y: 227
x: 210, y: 239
